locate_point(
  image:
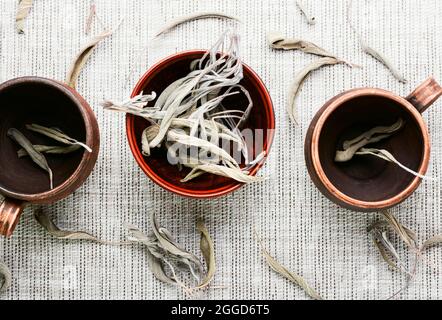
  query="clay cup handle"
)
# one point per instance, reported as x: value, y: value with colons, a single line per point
x: 10, y: 211
x: 425, y: 94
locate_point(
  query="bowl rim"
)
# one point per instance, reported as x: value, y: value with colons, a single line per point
x: 92, y: 140
x: 211, y: 193
x: 333, y: 105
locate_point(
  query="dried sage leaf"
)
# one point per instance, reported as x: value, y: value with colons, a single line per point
x: 374, y: 131
x: 436, y: 240
x: 376, y: 134
x: 24, y: 6
x: 310, y: 18
x: 82, y: 57
x: 208, y: 251
x: 387, y: 156
x: 299, y: 80
x: 283, y: 271
x: 372, y: 52
x: 35, y: 155
x: 171, y: 246
x: 194, y: 16
x: 57, y: 135
x: 43, y: 219
x: 233, y: 173
x: 278, y: 41
x: 49, y: 150
x: 407, y: 236
x: 7, y: 277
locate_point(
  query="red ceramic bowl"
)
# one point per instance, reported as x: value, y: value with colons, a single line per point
x: 157, y: 167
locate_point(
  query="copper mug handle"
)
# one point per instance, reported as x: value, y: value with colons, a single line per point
x: 425, y: 94
x: 10, y: 212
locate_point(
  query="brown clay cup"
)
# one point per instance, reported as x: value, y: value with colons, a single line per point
x: 52, y: 104
x: 367, y: 183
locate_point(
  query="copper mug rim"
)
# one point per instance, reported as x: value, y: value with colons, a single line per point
x: 414, y: 109
x: 19, y: 200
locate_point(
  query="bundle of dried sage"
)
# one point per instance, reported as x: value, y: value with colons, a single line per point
x: 5, y: 273
x: 167, y: 259
x: 24, y: 6
x: 379, y: 231
x: 188, y: 118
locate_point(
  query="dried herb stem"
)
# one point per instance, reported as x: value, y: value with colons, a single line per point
x: 372, y: 52
x: 194, y: 16
x: 5, y: 273
x: 284, y: 272
x: 24, y: 6
x: 35, y: 155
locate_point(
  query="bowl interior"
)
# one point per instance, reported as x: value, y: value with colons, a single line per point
x: 41, y: 103
x: 368, y: 178
x: 157, y: 166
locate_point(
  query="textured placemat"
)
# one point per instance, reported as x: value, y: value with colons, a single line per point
x: 329, y: 246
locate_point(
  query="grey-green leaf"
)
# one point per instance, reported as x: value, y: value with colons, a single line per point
x: 208, y: 252
x: 43, y: 219
x: 57, y: 135
x: 36, y: 156
x: 284, y: 272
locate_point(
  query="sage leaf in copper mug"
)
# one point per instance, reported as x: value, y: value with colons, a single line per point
x: 49, y: 150
x: 35, y: 155
x: 57, y: 135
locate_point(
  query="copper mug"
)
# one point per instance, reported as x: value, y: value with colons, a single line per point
x: 53, y: 104
x: 367, y: 183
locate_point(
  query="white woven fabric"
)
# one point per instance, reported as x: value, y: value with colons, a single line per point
x: 328, y: 245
